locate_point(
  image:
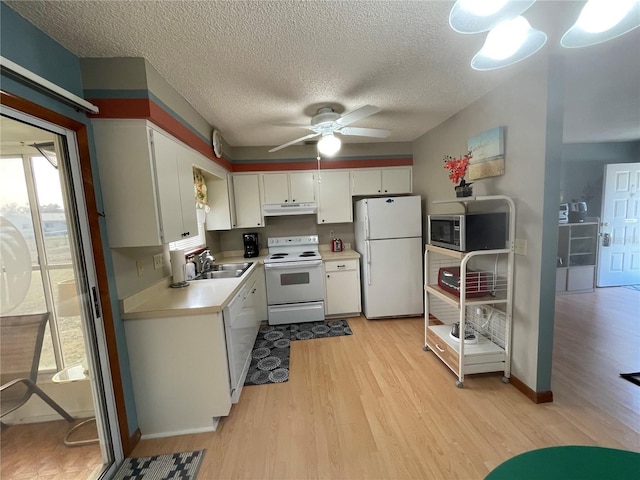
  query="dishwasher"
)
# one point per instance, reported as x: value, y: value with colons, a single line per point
x: 241, y: 329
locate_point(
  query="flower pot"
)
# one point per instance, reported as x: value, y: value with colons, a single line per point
x: 464, y: 191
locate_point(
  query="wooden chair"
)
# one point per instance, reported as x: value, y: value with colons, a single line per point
x: 22, y: 337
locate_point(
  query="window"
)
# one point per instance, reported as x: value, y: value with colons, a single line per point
x: 194, y: 242
x: 33, y: 212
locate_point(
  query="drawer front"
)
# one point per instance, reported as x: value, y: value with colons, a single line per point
x: 339, y: 266
x: 440, y: 347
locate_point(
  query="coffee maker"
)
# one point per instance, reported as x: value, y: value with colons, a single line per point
x: 251, y: 245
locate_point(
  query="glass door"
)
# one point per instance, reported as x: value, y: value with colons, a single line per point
x: 47, y: 266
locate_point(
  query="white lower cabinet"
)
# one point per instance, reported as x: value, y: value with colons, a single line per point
x: 342, y: 287
x: 180, y: 364
x: 180, y: 373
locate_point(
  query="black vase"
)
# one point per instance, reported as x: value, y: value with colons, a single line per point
x: 464, y: 191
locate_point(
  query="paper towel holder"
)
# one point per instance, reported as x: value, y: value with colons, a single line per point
x: 178, y: 267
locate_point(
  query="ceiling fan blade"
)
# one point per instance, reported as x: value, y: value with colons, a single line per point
x: 365, y: 132
x: 311, y: 135
x: 357, y: 114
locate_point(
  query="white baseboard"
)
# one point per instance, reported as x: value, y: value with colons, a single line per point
x: 212, y: 428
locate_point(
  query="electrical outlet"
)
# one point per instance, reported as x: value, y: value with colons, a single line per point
x: 139, y: 267
x: 520, y: 247
x: 332, y: 233
x: 158, y: 261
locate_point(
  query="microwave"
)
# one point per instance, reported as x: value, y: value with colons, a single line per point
x: 468, y: 232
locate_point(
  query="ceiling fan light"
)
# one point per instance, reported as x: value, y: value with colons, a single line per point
x: 482, y: 9
x: 508, y: 43
x: 602, y: 20
x: 476, y: 16
x: 329, y: 145
x: 505, y: 40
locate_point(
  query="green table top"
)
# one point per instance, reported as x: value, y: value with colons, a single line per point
x: 570, y: 463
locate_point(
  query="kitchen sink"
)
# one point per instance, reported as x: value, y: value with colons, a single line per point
x: 225, y: 270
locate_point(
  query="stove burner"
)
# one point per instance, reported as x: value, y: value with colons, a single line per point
x: 308, y: 254
x: 277, y: 256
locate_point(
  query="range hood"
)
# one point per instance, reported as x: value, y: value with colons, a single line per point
x: 277, y: 209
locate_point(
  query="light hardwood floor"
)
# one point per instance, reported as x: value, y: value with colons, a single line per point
x: 36, y: 451
x: 374, y: 405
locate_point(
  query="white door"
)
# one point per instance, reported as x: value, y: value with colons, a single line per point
x: 619, y: 253
x: 393, y: 217
x: 392, y: 280
x: 60, y: 279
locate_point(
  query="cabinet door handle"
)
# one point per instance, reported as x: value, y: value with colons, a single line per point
x: 440, y: 349
x: 341, y: 266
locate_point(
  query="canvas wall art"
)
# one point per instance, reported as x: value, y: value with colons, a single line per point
x: 488, y: 154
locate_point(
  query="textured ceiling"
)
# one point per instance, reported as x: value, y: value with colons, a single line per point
x: 247, y: 65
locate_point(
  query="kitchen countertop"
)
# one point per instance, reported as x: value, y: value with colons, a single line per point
x: 202, y: 296
x: 347, y: 254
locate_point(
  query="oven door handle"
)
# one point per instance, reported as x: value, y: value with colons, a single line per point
x: 283, y: 265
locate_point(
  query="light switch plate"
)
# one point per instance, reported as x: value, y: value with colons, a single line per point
x: 520, y: 246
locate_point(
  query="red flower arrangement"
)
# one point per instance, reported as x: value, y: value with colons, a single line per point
x: 458, y: 168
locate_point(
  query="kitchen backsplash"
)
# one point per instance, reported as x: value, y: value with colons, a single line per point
x: 285, y: 226
x: 124, y: 259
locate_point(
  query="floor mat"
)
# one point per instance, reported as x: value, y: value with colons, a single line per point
x: 270, y: 356
x: 632, y: 377
x: 321, y: 329
x: 272, y: 348
x: 183, y: 465
x: 633, y: 287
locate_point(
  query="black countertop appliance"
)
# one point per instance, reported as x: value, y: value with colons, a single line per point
x: 251, y: 244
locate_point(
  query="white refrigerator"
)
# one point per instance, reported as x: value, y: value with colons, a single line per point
x: 388, y: 233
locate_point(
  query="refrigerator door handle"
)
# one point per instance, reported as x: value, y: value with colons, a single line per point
x: 368, y: 263
x: 366, y: 226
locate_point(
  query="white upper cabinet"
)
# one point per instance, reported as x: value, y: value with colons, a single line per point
x: 147, y: 184
x: 174, y: 176
x: 293, y: 187
x: 221, y: 215
x: 246, y: 194
x: 334, y: 199
x: 369, y: 181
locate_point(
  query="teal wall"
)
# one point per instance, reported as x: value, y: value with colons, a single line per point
x: 30, y: 48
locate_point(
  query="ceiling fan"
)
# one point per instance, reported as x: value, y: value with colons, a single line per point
x: 326, y: 122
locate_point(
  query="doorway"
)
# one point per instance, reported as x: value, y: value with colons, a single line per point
x: 619, y: 255
x: 49, y: 268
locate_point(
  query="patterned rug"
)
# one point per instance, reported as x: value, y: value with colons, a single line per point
x: 183, y: 465
x: 271, y: 351
x: 270, y: 356
x: 310, y: 330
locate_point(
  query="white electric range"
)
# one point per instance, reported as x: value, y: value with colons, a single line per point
x: 295, y: 283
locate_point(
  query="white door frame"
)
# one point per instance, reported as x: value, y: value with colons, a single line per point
x: 96, y: 344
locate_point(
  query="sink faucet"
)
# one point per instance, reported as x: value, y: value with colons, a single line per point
x: 205, y: 259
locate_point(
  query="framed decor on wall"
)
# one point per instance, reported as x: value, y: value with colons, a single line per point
x: 487, y: 151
